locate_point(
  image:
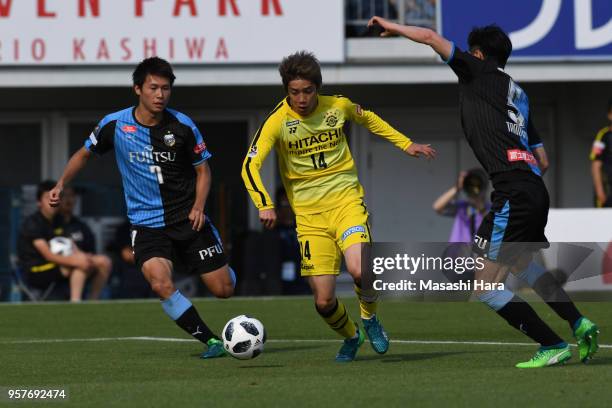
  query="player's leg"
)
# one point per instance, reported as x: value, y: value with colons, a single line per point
x: 102, y: 266
x: 320, y: 264
x: 495, y: 241
x: 353, y: 234
x: 152, y: 252
x: 549, y: 288
x: 158, y: 272
x: 207, y: 255
x: 334, y: 313
x: 532, y: 210
x: 203, y: 253
x: 520, y: 315
x: 220, y: 282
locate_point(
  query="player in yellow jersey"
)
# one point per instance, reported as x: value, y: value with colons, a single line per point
x: 320, y: 177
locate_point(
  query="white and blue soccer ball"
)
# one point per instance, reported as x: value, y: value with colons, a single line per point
x: 61, y: 246
x: 244, y: 337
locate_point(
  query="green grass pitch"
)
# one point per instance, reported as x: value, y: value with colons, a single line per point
x: 84, y: 349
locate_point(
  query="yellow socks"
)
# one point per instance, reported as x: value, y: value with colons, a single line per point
x: 368, y: 302
x: 339, y: 320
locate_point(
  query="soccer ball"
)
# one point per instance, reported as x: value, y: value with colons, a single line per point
x: 61, y: 246
x: 244, y: 337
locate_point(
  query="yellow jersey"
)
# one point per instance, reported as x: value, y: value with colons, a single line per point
x: 316, y: 165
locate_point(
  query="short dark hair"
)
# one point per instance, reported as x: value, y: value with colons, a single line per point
x: 43, y: 187
x: 493, y: 42
x: 301, y: 65
x: 152, y: 66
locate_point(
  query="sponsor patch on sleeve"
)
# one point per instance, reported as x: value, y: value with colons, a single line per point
x: 252, y: 151
x: 92, y: 137
x: 598, y: 148
x: 199, y: 148
x: 353, y: 230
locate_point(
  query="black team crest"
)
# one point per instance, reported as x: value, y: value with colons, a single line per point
x: 331, y: 118
x: 169, y: 140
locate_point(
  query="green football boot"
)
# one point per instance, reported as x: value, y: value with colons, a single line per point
x: 215, y: 349
x: 548, y: 357
x: 586, y: 334
x: 349, y: 348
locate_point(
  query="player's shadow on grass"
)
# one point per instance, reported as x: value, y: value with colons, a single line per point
x: 284, y: 349
x: 263, y: 366
x: 597, y: 360
x: 292, y: 348
x: 398, y: 358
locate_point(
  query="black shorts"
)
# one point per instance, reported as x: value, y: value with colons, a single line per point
x: 517, y: 219
x: 42, y: 280
x: 200, y: 251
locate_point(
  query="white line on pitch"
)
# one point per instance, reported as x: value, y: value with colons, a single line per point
x: 182, y: 340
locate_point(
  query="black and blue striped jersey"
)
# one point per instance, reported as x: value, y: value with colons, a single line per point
x: 495, y: 115
x: 156, y: 164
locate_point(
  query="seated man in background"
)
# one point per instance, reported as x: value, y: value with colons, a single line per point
x: 41, y: 265
x: 82, y: 236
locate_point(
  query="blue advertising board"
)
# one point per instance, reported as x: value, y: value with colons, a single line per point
x: 539, y: 29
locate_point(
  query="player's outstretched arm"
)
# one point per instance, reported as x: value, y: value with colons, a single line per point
x: 262, y: 144
x: 379, y: 127
x: 74, y: 166
x: 268, y: 218
x: 203, y: 181
x: 418, y: 34
x: 417, y: 150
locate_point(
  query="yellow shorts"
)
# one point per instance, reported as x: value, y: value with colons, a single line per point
x: 325, y: 236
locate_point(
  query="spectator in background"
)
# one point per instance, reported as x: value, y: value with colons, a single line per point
x: 75, y: 229
x: 468, y: 212
x: 40, y: 265
x: 82, y: 236
x: 601, y: 164
x: 132, y: 283
x: 362, y: 10
x: 421, y: 13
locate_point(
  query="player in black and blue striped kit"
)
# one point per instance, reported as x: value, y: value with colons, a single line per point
x: 163, y: 162
x: 498, y: 125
